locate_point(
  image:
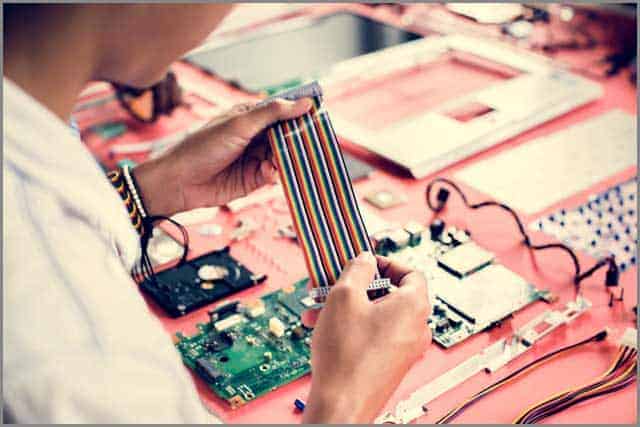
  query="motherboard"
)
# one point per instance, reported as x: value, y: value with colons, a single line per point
x: 248, y: 349
x: 469, y: 290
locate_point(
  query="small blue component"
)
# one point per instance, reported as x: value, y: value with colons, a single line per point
x: 299, y: 404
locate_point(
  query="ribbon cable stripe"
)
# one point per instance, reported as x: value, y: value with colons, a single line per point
x: 312, y: 200
x: 319, y: 193
x: 300, y: 220
x: 348, y: 203
x: 327, y: 192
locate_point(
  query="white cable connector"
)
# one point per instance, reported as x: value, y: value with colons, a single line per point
x: 377, y: 284
x: 630, y: 338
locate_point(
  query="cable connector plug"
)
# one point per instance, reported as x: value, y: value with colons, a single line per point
x: 630, y: 338
x: 613, y: 274
x: 601, y: 336
x: 442, y: 197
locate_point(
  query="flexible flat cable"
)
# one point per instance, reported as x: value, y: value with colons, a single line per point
x: 319, y: 192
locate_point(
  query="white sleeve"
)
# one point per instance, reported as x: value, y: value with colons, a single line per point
x: 79, y: 342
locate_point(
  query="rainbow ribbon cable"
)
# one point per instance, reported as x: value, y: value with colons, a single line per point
x: 319, y: 192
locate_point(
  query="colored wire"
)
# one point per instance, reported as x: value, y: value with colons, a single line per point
x: 621, y: 374
x: 318, y: 189
x: 517, y: 373
x: 443, y: 195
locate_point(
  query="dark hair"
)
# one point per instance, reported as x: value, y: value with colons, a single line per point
x: 16, y: 15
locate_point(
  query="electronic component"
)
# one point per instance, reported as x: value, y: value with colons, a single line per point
x: 606, y: 224
x: 228, y: 322
x: 298, y: 333
x: 415, y: 230
x: 385, y: 199
x: 255, y: 308
x: 219, y: 342
x: 490, y: 359
x: 436, y: 228
x: 276, y: 327
x: 294, y: 304
x: 574, y: 159
x: 299, y: 405
x: 207, y: 369
x: 307, y: 302
x: 465, y: 259
x: 246, y: 360
x: 319, y: 192
x: 630, y: 338
x: 198, y: 282
x: 464, y: 280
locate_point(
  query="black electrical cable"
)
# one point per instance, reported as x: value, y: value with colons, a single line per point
x: 441, y: 200
x: 144, y: 269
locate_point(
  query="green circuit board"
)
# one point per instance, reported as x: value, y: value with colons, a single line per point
x: 243, y: 354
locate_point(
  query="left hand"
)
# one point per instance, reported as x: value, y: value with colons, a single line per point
x: 227, y: 159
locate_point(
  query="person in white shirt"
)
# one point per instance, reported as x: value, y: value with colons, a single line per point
x: 79, y: 344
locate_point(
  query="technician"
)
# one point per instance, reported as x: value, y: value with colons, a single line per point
x: 79, y: 342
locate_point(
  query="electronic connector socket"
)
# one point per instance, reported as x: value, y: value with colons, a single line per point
x: 630, y: 338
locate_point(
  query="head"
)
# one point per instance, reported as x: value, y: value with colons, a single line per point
x: 146, y: 38
x: 132, y: 44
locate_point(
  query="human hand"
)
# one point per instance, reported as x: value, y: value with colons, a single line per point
x: 227, y: 159
x: 361, y: 349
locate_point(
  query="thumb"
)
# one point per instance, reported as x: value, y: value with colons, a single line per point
x: 255, y: 120
x: 310, y: 317
x: 359, y: 272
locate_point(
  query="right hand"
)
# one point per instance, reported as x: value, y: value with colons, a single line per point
x: 361, y: 349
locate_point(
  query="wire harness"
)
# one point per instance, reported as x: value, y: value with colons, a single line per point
x: 442, y: 196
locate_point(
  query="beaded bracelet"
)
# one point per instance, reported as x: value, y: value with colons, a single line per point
x: 125, y: 185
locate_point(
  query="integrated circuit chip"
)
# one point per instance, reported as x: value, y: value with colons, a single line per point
x: 207, y: 369
x: 488, y: 295
x: 465, y: 259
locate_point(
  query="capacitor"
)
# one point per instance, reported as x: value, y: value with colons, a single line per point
x: 436, y: 228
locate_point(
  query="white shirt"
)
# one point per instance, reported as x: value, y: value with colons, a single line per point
x: 80, y: 344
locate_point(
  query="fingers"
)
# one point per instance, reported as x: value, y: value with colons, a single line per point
x: 393, y: 271
x: 357, y: 275
x: 267, y: 173
x: 248, y: 122
x: 413, y: 289
x: 310, y: 317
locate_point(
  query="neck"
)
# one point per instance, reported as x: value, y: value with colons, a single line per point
x: 51, y: 62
